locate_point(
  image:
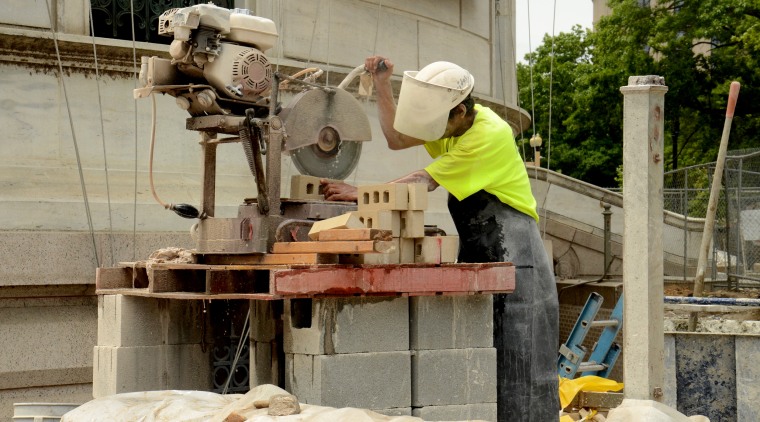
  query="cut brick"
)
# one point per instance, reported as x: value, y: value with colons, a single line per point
x: 406, y: 246
x: 418, y: 196
x: 412, y: 224
x: 389, y: 196
x: 307, y: 187
x: 381, y: 219
x: 374, y: 258
x: 344, y: 221
x: 436, y: 249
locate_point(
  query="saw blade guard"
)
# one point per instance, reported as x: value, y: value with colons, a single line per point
x: 325, y: 129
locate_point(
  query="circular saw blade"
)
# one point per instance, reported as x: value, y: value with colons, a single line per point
x: 312, y: 161
x: 325, y: 131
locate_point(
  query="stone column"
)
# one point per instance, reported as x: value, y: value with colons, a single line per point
x: 643, y: 116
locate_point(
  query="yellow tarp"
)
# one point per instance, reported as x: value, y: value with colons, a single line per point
x: 569, y: 388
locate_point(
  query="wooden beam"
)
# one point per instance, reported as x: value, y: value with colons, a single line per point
x: 354, y: 234
x: 334, y: 247
x: 271, y: 259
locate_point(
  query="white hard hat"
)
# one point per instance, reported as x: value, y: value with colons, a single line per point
x: 427, y: 97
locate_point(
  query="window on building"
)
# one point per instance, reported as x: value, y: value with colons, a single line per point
x: 112, y: 18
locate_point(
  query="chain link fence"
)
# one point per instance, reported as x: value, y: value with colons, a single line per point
x: 734, y: 258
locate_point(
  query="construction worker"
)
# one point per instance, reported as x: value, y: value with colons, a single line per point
x: 495, y: 215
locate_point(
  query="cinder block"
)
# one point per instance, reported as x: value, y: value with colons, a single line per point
x: 389, y: 196
x: 264, y: 317
x: 127, y: 369
x: 465, y: 412
x: 374, y: 258
x: 451, y: 322
x: 344, y: 221
x: 346, y: 325
x: 263, y: 363
x: 397, y: 411
x: 412, y: 224
x: 140, y: 321
x: 453, y: 376
x: 307, y: 187
x: 406, y: 248
x: 418, y: 196
x: 379, y: 380
x: 436, y: 249
x: 381, y: 219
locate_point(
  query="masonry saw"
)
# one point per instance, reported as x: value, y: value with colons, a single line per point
x: 219, y: 74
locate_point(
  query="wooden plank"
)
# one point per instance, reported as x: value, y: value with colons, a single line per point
x: 271, y: 259
x: 168, y: 280
x: 336, y: 247
x: 394, y: 279
x: 188, y: 295
x: 354, y: 234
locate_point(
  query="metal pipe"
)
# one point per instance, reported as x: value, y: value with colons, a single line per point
x: 712, y: 300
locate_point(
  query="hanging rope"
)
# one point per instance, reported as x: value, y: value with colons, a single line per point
x: 551, y: 85
x: 134, y: 102
x: 103, y: 138
x: 502, y: 46
x: 73, y: 135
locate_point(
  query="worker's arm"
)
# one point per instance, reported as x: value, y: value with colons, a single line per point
x: 386, y: 107
x: 419, y: 176
x: 344, y: 192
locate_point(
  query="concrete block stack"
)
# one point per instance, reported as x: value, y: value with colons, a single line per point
x: 349, y: 352
x: 148, y: 344
x: 453, y: 358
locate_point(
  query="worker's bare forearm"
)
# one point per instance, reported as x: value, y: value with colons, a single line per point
x: 420, y: 176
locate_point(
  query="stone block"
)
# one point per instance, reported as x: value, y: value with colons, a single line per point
x: 388, y: 196
x: 466, y: 412
x: 381, y: 219
x: 436, y: 249
x: 127, y: 369
x: 476, y: 17
x: 380, y: 380
x: 307, y: 187
x: 346, y: 325
x: 406, y: 253
x: 344, y: 221
x: 453, y: 376
x: 412, y: 224
x: 418, y: 196
x: 747, y: 373
x: 450, y: 322
x: 139, y: 321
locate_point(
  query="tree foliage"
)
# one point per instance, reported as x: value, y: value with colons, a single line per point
x: 698, y: 47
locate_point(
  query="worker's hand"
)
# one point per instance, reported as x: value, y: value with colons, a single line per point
x: 338, y: 191
x: 372, y: 65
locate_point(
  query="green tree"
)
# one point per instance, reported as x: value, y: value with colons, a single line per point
x: 698, y: 47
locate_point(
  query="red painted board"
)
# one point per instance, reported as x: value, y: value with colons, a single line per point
x: 413, y: 278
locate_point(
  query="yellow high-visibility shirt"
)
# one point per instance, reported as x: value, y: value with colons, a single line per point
x: 483, y: 158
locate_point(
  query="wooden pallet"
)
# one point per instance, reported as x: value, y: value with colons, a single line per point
x: 267, y: 282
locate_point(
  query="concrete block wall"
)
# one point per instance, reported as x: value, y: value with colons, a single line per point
x: 349, y: 352
x: 429, y: 356
x: 454, y: 361
x: 149, y: 344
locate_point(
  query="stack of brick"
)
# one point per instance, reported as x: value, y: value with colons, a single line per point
x: 453, y: 358
x: 400, y: 208
x: 349, y: 352
x: 149, y: 344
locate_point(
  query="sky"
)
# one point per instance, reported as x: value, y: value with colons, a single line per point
x: 568, y: 13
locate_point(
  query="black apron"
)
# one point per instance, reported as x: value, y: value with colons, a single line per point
x: 526, y: 322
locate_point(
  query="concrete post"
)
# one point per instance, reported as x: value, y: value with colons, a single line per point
x: 643, y: 116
